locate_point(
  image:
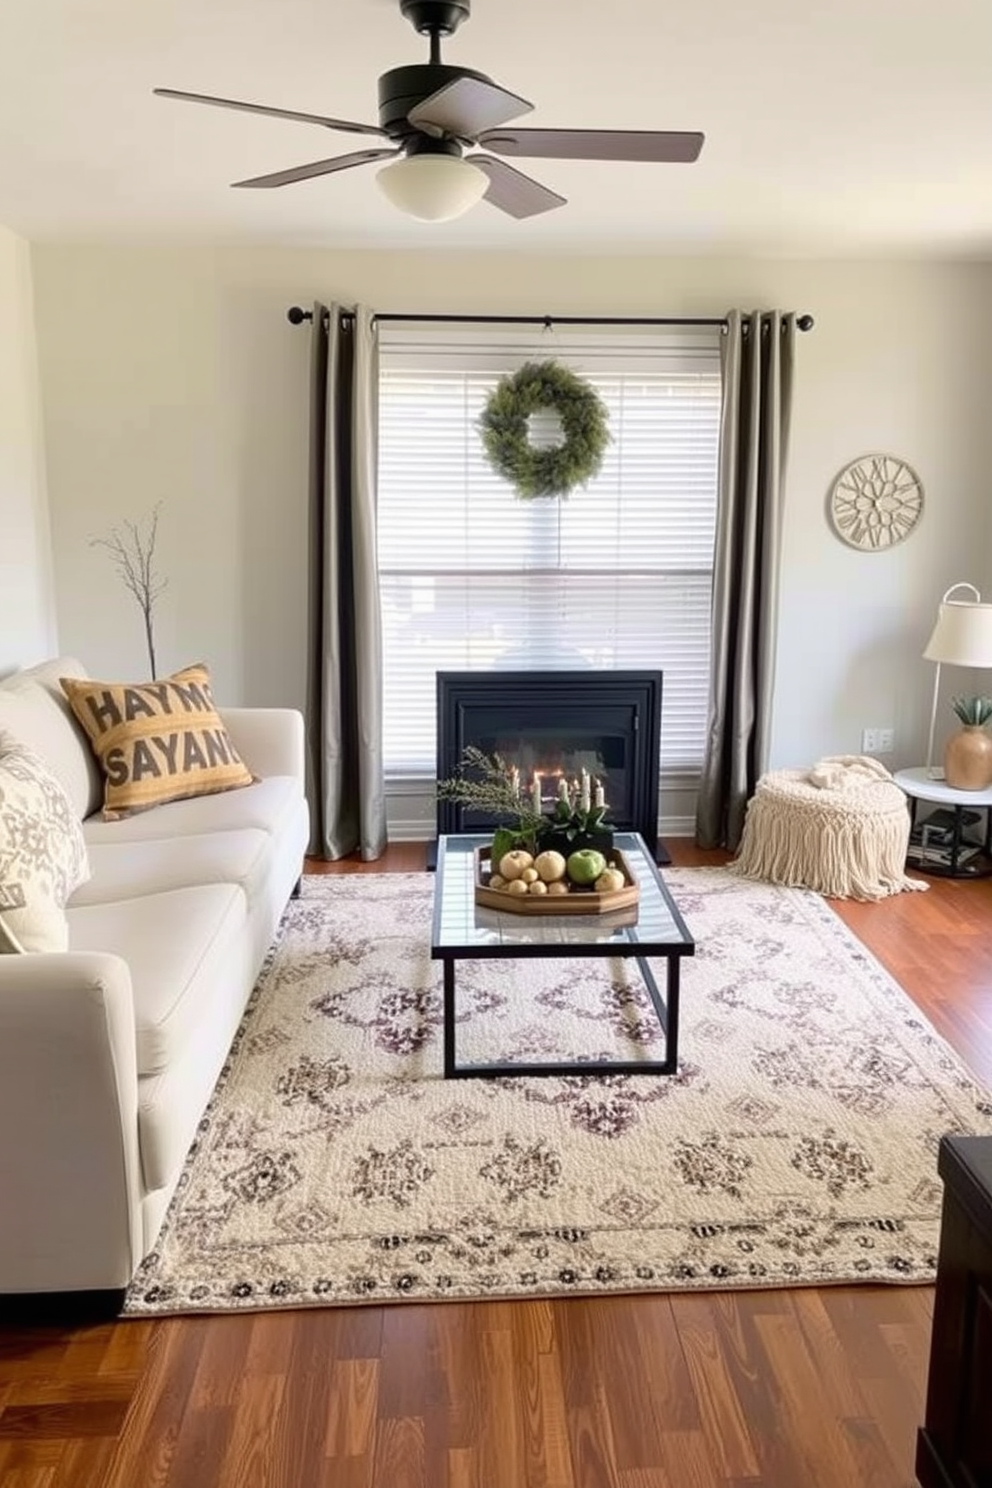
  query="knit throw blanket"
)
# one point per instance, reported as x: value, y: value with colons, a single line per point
x: 847, y: 772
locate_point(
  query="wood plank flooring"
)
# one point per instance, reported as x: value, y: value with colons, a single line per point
x: 778, y: 1389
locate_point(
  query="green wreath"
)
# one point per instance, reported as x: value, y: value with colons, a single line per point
x: 539, y: 386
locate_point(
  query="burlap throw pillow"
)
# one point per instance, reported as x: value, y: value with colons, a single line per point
x: 42, y: 852
x: 156, y: 741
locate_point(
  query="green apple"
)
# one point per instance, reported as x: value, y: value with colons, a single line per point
x: 585, y: 865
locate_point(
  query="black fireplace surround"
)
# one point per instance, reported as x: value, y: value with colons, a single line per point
x: 607, y: 722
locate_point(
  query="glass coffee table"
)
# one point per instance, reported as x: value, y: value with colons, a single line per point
x: 465, y: 931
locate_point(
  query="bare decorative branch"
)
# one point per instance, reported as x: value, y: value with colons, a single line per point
x: 132, y: 552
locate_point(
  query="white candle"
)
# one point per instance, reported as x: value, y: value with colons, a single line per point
x: 563, y: 789
x: 600, y: 797
x: 586, y: 802
x: 535, y: 794
x: 515, y: 780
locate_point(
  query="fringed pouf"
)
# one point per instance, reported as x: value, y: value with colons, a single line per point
x: 841, y: 829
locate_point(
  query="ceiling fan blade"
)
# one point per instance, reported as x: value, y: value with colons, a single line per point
x: 466, y: 107
x: 512, y: 191
x: 277, y: 113
x: 596, y: 144
x: 318, y: 168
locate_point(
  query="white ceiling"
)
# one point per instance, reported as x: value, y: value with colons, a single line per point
x: 849, y: 127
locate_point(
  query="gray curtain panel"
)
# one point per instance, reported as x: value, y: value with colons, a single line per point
x: 344, y: 660
x: 757, y: 357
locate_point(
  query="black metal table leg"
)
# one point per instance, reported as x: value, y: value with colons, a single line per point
x: 654, y: 992
x: 666, y: 1008
x: 449, y: 1017
x: 672, y: 1031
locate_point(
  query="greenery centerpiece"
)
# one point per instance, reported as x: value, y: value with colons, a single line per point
x: 575, y: 821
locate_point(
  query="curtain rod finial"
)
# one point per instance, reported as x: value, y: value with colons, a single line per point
x: 295, y: 315
x: 805, y: 322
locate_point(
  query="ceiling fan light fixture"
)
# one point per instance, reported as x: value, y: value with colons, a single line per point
x: 430, y: 113
x: 432, y: 188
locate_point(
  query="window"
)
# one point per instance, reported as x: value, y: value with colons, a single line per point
x: 616, y: 575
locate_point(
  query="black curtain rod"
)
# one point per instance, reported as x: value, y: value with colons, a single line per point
x: 296, y: 315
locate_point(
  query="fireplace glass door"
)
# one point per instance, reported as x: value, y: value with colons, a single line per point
x: 552, y: 725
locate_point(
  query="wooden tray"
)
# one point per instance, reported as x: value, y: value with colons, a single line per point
x: 606, y: 921
x: 577, y: 902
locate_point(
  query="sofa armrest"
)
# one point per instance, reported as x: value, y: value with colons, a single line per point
x: 70, y: 1184
x: 269, y: 740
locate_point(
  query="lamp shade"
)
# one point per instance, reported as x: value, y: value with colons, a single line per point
x: 433, y: 188
x: 962, y: 635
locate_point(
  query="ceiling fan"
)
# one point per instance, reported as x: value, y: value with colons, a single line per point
x: 432, y: 113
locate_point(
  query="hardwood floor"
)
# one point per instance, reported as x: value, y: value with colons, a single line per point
x: 776, y: 1389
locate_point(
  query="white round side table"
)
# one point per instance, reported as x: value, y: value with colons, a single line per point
x: 942, y: 844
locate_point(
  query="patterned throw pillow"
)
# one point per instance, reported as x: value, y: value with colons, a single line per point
x: 42, y: 852
x: 156, y: 741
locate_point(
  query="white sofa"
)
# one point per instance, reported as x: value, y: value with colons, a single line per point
x: 109, y: 1052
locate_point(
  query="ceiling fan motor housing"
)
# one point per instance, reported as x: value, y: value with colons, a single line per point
x: 402, y: 88
x: 440, y: 17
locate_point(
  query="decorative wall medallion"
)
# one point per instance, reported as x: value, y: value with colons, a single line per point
x: 875, y: 502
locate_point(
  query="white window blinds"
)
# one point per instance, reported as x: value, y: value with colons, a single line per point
x: 616, y: 575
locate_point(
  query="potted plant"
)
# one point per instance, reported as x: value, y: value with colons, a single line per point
x: 968, y: 753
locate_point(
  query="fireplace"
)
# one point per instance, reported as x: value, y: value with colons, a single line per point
x: 607, y: 723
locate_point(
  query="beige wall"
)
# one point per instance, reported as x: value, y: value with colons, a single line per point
x: 27, y: 612
x: 173, y: 375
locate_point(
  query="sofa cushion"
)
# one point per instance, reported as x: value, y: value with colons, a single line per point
x: 156, y: 741
x: 266, y: 805
x: 184, y: 948
x: 34, y: 708
x: 42, y: 852
x: 128, y: 870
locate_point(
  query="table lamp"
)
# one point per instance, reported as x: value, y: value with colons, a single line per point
x: 962, y: 636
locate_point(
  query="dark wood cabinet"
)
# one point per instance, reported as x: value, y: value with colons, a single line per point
x: 954, y: 1446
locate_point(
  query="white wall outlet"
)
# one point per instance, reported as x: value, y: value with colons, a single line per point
x: 878, y: 740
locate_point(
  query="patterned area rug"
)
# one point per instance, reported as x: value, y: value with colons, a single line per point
x: 797, y: 1145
